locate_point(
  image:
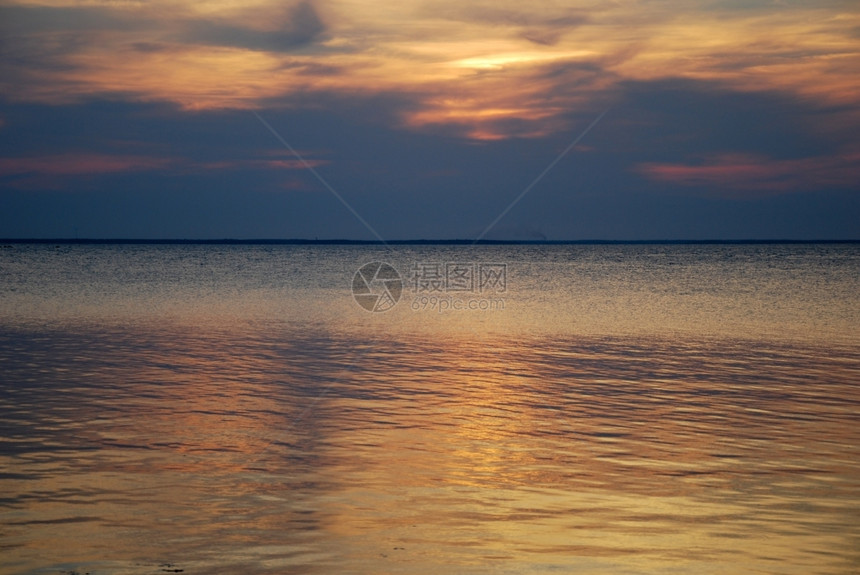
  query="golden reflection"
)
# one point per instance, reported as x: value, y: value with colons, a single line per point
x: 143, y: 428
x: 533, y: 455
x: 317, y: 448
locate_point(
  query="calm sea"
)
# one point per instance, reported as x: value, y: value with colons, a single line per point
x: 595, y: 409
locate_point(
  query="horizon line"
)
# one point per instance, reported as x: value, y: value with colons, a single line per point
x: 343, y: 241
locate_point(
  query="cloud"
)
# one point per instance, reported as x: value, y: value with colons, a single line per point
x: 301, y: 26
x: 488, y: 70
x: 40, y: 19
x: 254, y: 164
x: 425, y: 181
x: 515, y: 97
x: 742, y: 174
x: 94, y: 164
x: 52, y: 172
x: 542, y: 24
x: 78, y: 164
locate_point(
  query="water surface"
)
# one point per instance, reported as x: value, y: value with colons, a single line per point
x: 631, y: 409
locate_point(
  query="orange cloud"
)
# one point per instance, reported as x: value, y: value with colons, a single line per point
x: 74, y: 164
x: 32, y: 172
x: 269, y: 164
x: 490, y: 69
x: 739, y: 173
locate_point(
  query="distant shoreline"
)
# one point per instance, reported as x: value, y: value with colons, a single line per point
x: 454, y: 242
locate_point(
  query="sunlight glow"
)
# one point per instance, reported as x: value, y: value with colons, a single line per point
x: 500, y: 61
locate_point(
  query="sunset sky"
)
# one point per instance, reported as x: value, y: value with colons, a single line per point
x: 734, y: 119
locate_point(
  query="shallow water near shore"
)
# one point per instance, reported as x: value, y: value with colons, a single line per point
x: 613, y: 409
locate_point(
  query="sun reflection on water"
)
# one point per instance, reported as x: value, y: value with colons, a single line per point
x: 276, y: 444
